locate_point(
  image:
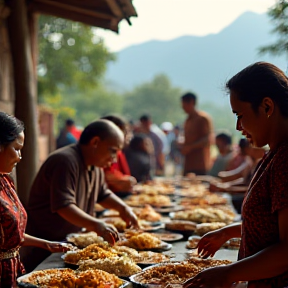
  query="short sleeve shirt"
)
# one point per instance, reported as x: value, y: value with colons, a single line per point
x: 62, y: 180
x: 267, y: 194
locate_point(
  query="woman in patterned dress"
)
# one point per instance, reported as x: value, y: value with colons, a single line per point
x: 12, y: 214
x: 259, y: 98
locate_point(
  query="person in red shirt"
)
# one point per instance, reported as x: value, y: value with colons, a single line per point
x: 118, y: 176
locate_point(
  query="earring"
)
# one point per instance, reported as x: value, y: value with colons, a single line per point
x: 268, y: 116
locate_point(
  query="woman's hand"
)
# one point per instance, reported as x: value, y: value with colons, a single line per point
x: 129, y: 217
x: 55, y: 247
x: 210, y: 243
x: 216, y: 277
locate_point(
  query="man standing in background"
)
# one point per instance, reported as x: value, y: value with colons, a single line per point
x: 198, y: 137
x: 158, y: 161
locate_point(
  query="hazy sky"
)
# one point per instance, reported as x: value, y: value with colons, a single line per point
x: 168, y: 19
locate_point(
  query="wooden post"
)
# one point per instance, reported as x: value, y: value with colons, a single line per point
x: 25, y: 93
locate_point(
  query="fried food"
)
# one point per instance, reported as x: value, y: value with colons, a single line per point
x: 68, y: 278
x: 83, y: 240
x: 206, y: 215
x: 204, y: 228
x: 122, y: 266
x: 139, y: 240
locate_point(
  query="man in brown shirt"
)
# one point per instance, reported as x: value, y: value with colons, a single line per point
x: 198, y: 137
x: 69, y: 183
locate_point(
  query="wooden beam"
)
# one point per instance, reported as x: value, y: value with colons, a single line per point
x: 115, y: 9
x: 99, y: 6
x: 42, y: 8
x: 25, y: 94
x: 78, y: 9
x: 33, y: 31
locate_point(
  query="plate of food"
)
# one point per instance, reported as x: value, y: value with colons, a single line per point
x: 169, y: 237
x: 154, y: 200
x: 167, y: 210
x: 203, y: 228
x: 120, y: 266
x: 184, y: 227
x: 65, y: 277
x: 174, y: 273
x: 192, y: 242
x: 145, y: 258
x: 147, y: 213
x: 82, y: 240
x: 205, y: 215
x: 143, y: 241
x: 93, y: 251
x: 232, y: 244
x: 150, y: 226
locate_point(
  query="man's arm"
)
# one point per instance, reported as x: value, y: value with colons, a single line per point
x: 78, y: 217
x: 114, y: 202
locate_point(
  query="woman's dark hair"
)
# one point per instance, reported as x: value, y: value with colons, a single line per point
x: 258, y: 81
x: 10, y: 128
x: 117, y: 120
x: 136, y: 142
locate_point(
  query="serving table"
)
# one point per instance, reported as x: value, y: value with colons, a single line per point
x: 178, y: 249
x: 179, y: 252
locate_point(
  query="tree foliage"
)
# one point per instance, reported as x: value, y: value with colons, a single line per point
x: 279, y: 15
x: 157, y: 98
x: 72, y: 61
x: 70, y: 54
x: 93, y: 103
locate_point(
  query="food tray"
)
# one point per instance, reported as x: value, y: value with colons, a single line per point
x: 22, y: 281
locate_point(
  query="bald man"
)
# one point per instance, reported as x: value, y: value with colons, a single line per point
x: 68, y: 185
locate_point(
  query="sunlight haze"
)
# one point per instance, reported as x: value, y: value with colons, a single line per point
x: 169, y: 19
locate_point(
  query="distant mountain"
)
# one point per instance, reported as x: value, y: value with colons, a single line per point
x: 200, y: 64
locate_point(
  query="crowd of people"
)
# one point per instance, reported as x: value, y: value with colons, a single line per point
x: 102, y: 163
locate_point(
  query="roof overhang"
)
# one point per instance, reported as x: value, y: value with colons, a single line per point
x: 100, y: 13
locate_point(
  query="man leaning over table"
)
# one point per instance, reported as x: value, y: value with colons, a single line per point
x: 68, y: 185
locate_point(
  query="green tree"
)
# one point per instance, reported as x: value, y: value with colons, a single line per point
x: 278, y: 14
x: 70, y: 55
x: 157, y: 98
x: 93, y: 103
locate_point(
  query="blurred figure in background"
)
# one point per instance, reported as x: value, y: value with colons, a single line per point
x: 68, y: 135
x: 167, y: 128
x: 243, y: 173
x: 224, y: 145
x: 175, y: 153
x: 157, y: 158
x: 240, y: 154
x: 138, y: 157
x: 198, y: 137
x: 118, y: 175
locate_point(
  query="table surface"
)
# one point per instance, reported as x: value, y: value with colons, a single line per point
x: 178, y: 249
